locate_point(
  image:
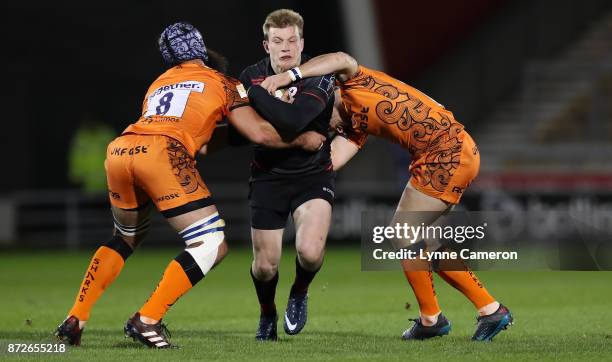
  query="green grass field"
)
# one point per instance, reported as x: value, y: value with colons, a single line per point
x: 353, y: 315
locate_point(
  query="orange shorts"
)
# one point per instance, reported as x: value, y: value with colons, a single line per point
x: 446, y: 172
x: 159, y: 168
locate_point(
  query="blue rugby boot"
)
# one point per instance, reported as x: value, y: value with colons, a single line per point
x: 490, y: 325
x: 420, y: 332
x: 296, y: 313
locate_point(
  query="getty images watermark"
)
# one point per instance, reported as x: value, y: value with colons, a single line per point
x: 546, y: 240
x: 404, y: 235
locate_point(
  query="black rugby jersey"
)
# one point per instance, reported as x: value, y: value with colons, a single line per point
x: 271, y: 163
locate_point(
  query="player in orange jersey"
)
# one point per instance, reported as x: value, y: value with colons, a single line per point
x: 445, y: 160
x: 154, y: 161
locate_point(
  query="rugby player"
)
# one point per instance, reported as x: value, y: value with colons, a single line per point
x: 154, y: 161
x: 288, y: 181
x: 445, y: 160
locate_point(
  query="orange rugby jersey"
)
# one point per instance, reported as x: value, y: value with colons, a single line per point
x: 383, y: 106
x: 186, y: 102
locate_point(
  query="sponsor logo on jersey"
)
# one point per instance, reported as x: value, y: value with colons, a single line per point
x: 170, y: 100
x: 168, y: 197
x: 328, y: 190
x: 119, y: 151
x: 189, y: 85
x: 159, y: 119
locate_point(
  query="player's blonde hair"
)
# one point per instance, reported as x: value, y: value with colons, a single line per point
x: 282, y: 18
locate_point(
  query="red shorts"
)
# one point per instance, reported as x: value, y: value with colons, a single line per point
x: 159, y: 168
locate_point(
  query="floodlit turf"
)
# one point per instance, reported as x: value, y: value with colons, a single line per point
x: 353, y: 315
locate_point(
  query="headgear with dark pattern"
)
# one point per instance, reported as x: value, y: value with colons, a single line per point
x: 181, y: 42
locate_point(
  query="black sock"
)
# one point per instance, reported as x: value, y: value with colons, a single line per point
x: 190, y: 266
x: 120, y: 246
x: 303, y: 278
x: 266, y: 291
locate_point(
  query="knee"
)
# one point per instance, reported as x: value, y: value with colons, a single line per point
x: 132, y: 235
x: 264, y: 268
x: 119, y: 244
x: 310, y: 256
x: 221, y: 252
x: 131, y: 241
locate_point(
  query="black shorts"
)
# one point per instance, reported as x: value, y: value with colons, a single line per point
x: 271, y: 201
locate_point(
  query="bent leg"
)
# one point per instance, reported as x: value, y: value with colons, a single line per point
x: 202, y: 231
x: 469, y: 285
x: 267, y: 249
x: 130, y: 228
x: 312, y: 220
x: 420, y: 276
x: 416, y: 208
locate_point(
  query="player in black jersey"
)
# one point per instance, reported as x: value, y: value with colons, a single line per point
x: 292, y: 181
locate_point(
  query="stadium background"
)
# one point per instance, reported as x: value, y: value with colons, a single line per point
x: 531, y: 80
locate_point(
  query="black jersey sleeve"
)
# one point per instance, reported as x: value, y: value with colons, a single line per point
x: 292, y: 118
x: 245, y: 79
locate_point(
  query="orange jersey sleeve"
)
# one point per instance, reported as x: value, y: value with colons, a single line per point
x: 186, y: 103
x: 236, y: 95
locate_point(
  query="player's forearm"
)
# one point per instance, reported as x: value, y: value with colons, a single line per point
x: 290, y: 118
x: 309, y: 141
x: 269, y: 137
x: 249, y: 124
x: 339, y: 62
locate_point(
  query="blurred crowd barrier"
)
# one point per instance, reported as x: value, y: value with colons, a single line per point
x: 72, y: 220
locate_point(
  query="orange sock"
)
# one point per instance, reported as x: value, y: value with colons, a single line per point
x: 173, y: 285
x: 467, y: 283
x: 422, y: 285
x: 105, y: 266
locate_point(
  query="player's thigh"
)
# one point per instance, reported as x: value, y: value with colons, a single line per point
x: 130, y: 205
x: 166, y: 172
x: 416, y: 209
x: 269, y: 207
x: 269, y: 203
x: 413, y: 200
x: 123, y: 192
x: 312, y: 220
x: 311, y: 210
x: 267, y: 246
